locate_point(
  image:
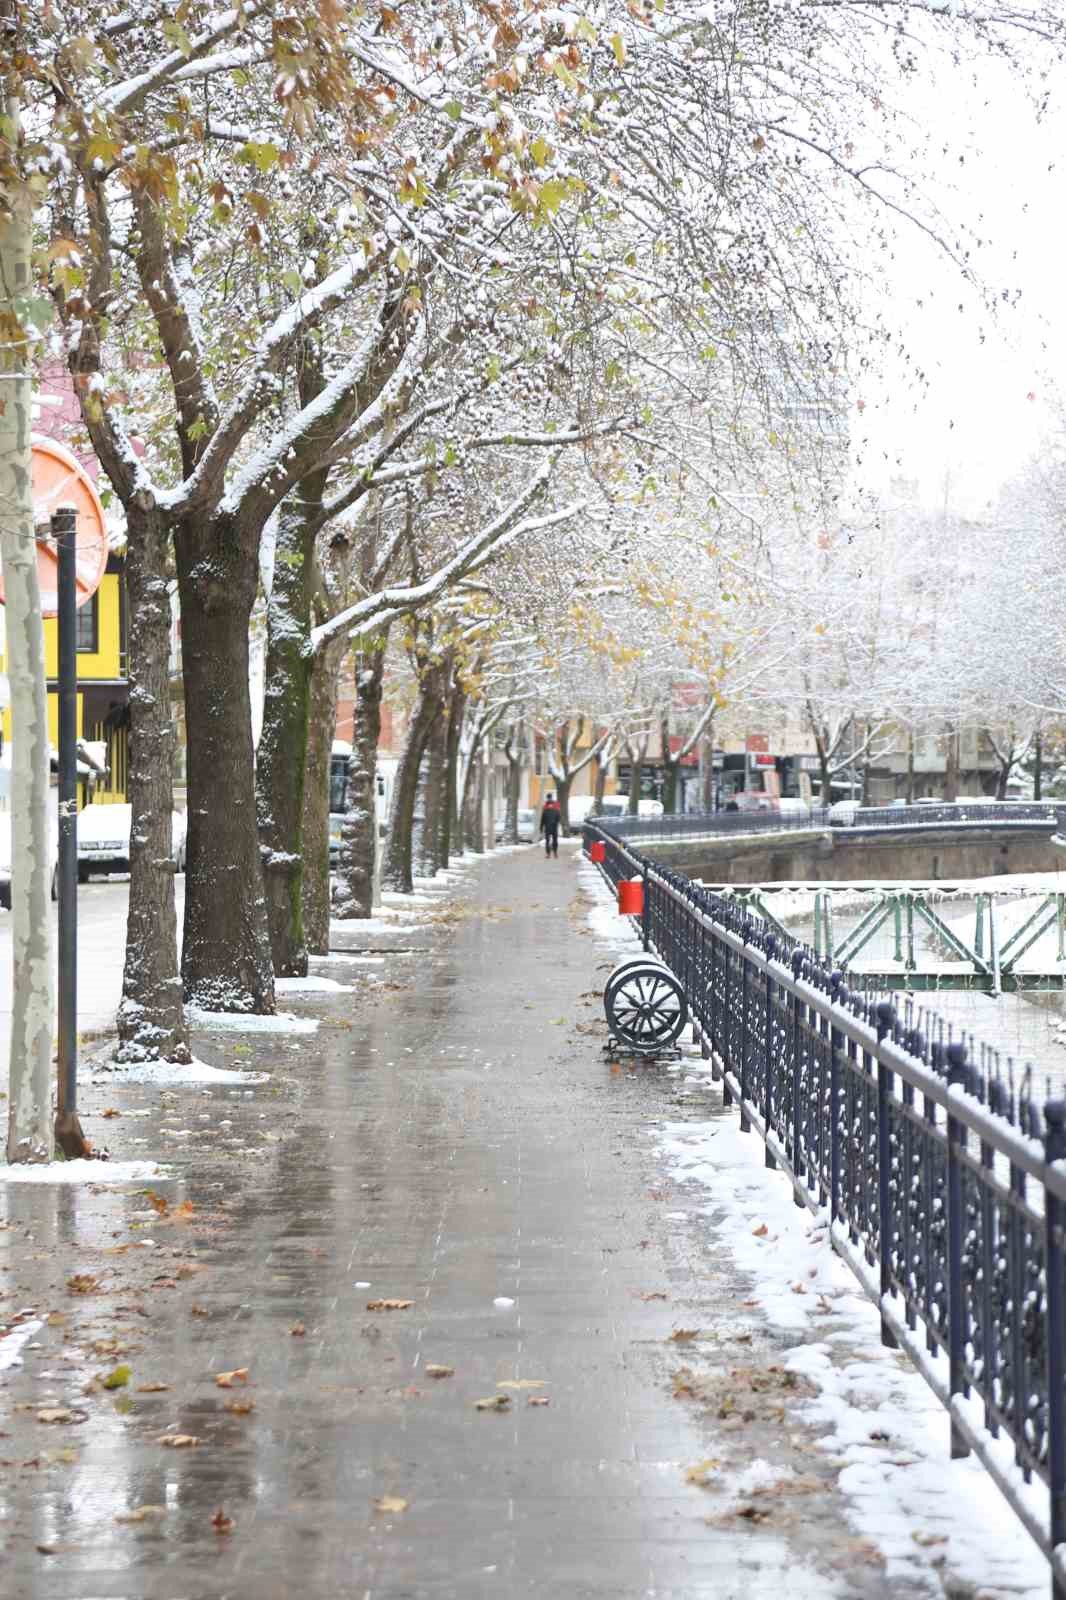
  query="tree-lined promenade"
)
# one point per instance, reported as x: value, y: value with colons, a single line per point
x: 514, y: 353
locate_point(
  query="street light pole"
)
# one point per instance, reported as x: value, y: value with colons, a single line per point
x: 68, y: 1134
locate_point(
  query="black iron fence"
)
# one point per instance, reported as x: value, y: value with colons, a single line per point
x: 686, y: 825
x: 943, y: 1179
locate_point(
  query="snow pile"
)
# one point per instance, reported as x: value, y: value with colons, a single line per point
x: 311, y: 985
x: 379, y: 924
x: 346, y: 958
x: 250, y: 1021
x: 167, y: 1074
x: 83, y: 1172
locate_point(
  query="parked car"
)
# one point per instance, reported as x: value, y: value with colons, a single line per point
x: 528, y: 827
x: 104, y: 840
x: 792, y: 806
x: 755, y: 800
x: 5, y: 856
x: 842, y: 813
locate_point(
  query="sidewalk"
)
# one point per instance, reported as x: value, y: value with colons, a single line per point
x: 451, y: 1138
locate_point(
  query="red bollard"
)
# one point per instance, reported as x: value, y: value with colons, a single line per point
x: 630, y: 897
x: 597, y: 851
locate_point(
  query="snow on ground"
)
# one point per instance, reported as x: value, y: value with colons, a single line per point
x: 346, y: 958
x: 378, y: 924
x: 311, y: 985
x: 11, y: 1343
x: 167, y: 1074
x: 873, y: 1411
x: 250, y: 1022
x: 83, y: 1172
x: 941, y: 1525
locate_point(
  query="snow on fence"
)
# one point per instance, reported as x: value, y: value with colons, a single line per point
x: 943, y: 1180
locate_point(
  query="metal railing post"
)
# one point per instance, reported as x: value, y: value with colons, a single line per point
x: 767, y: 1065
x: 745, y: 1120
x: 958, y: 1077
x: 1055, y: 1269
x: 886, y: 1018
x: 645, y: 916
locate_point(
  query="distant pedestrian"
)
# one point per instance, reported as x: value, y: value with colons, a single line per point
x: 549, y: 825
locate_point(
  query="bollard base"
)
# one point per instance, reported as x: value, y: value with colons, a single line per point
x: 71, y: 1140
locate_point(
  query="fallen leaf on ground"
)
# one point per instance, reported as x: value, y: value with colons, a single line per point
x: 157, y: 1201
x: 178, y: 1441
x: 198, y: 1311
x: 702, y: 1472
x: 226, y: 1380
x: 152, y: 1388
x: 493, y: 1402
x: 240, y: 1408
x: 118, y: 1378
x: 111, y: 1112
x: 538, y: 1400
x: 297, y: 1330
x: 653, y: 1294
x: 60, y: 1414
x: 754, y: 1513
x: 522, y: 1383
x: 221, y: 1523
x: 683, y: 1335
x: 83, y: 1283
x: 436, y: 1370
x: 925, y: 1539
x: 761, y: 1231
x: 390, y: 1502
x: 141, y: 1514
x: 389, y: 1305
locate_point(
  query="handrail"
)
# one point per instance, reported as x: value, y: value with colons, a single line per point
x: 943, y: 1180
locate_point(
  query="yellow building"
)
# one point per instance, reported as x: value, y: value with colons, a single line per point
x: 103, y: 688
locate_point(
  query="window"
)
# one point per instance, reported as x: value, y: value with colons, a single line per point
x: 87, y: 632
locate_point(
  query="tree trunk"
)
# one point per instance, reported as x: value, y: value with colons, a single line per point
x: 562, y: 794
x: 434, y: 791
x: 911, y: 781
x: 359, y: 832
x: 1003, y: 776
x: 600, y: 785
x: 474, y: 809
x: 826, y: 777
x: 671, y: 773
x: 708, y: 785
x: 513, y: 753
x: 396, y: 871
x: 1038, y: 765
x: 450, y: 835
x: 951, y: 766
x: 636, y: 774
x: 226, y: 951
x: 151, y: 1019
x: 281, y: 760
x: 29, y: 1135
x: 321, y: 726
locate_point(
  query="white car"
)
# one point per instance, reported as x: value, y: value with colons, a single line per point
x: 5, y: 856
x: 528, y: 826
x: 104, y: 840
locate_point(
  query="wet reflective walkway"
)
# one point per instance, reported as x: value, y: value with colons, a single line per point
x: 450, y: 1140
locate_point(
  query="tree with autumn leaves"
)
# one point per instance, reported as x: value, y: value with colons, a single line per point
x: 412, y: 275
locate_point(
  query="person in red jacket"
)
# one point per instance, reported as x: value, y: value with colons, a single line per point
x: 549, y: 825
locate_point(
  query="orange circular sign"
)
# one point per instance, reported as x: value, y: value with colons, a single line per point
x: 59, y: 479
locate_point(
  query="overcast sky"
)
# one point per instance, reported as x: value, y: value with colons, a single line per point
x: 975, y: 425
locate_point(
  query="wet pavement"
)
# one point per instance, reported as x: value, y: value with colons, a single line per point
x: 452, y: 1139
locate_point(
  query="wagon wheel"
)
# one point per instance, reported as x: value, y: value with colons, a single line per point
x: 627, y: 966
x: 645, y: 1007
